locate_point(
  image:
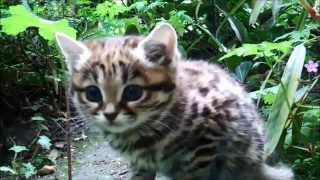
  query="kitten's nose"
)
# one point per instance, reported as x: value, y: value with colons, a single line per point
x: 111, y: 116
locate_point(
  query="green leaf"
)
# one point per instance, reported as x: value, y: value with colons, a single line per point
x: 28, y: 170
x: 21, y: 19
x: 264, y: 49
x: 37, y: 118
x: 261, y: 93
x: 242, y: 70
x: 300, y: 93
x: 238, y: 28
x: 7, y: 169
x: 269, y: 98
x: 110, y: 9
x: 179, y: 20
x: 83, y: 2
x: 44, y: 142
x: 139, y: 5
x: 284, y: 98
x: 18, y: 149
x: 312, y: 115
x: 274, y: 90
x: 256, y: 11
x: 276, y: 5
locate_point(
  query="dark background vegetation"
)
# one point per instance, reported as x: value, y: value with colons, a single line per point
x: 251, y: 43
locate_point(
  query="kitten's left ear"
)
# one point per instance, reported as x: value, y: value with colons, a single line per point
x: 76, y: 53
x: 160, y: 46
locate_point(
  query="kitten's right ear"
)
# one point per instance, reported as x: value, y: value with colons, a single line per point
x: 76, y: 53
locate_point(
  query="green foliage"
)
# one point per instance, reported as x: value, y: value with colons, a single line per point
x: 28, y: 170
x: 45, y: 142
x: 110, y: 9
x: 18, y: 149
x: 7, y: 169
x: 21, y: 18
x: 251, y: 39
x: 37, y: 118
x: 179, y: 20
x: 284, y: 98
x: 269, y: 98
x: 264, y: 49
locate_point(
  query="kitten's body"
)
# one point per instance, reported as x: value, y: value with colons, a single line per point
x: 193, y: 121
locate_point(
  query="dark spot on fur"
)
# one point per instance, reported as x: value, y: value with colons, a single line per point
x: 192, y: 71
x: 145, y: 142
x: 205, y: 111
x: 124, y: 70
x: 203, y: 91
x: 214, y: 102
x: 163, y: 86
x: 135, y: 74
x: 194, y: 110
x: 114, y: 68
x: 213, y: 84
x: 226, y: 104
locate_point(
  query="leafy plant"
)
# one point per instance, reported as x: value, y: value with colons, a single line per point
x: 21, y: 18
x: 18, y: 168
x: 284, y: 98
x: 45, y: 142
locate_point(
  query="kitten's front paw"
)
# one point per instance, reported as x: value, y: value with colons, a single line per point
x: 143, y: 175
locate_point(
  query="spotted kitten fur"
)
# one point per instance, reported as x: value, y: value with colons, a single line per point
x: 188, y: 120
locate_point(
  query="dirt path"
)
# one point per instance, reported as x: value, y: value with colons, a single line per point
x: 94, y: 159
x: 100, y: 162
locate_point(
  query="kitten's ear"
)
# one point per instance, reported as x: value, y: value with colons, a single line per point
x: 76, y: 53
x: 160, y: 46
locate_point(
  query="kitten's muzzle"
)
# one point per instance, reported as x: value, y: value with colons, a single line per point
x: 111, y: 116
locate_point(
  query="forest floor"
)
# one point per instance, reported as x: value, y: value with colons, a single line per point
x: 93, y: 159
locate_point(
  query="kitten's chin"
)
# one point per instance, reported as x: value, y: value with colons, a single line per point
x: 114, y: 127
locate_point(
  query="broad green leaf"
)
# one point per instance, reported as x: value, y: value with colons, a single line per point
x: 7, y: 169
x: 284, y: 98
x: 44, y: 142
x: 264, y: 49
x: 274, y: 90
x: 238, y: 28
x: 242, y: 70
x: 37, y: 118
x: 110, y: 9
x: 139, y: 5
x: 155, y: 4
x: 259, y: 93
x: 18, y: 149
x: 276, y: 5
x: 256, y: 11
x: 21, y: 19
x: 300, y: 93
x: 28, y: 170
x: 299, y: 35
x: 312, y: 115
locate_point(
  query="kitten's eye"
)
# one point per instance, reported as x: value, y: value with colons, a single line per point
x: 93, y: 94
x: 132, y: 93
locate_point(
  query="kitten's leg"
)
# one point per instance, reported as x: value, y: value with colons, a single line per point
x: 276, y: 173
x: 142, y: 174
x: 254, y: 171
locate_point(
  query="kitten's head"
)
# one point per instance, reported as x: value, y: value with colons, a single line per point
x: 122, y: 82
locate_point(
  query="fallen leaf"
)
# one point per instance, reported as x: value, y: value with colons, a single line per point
x: 46, y: 170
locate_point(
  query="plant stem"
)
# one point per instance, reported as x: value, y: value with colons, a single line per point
x: 219, y: 44
x: 225, y: 20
